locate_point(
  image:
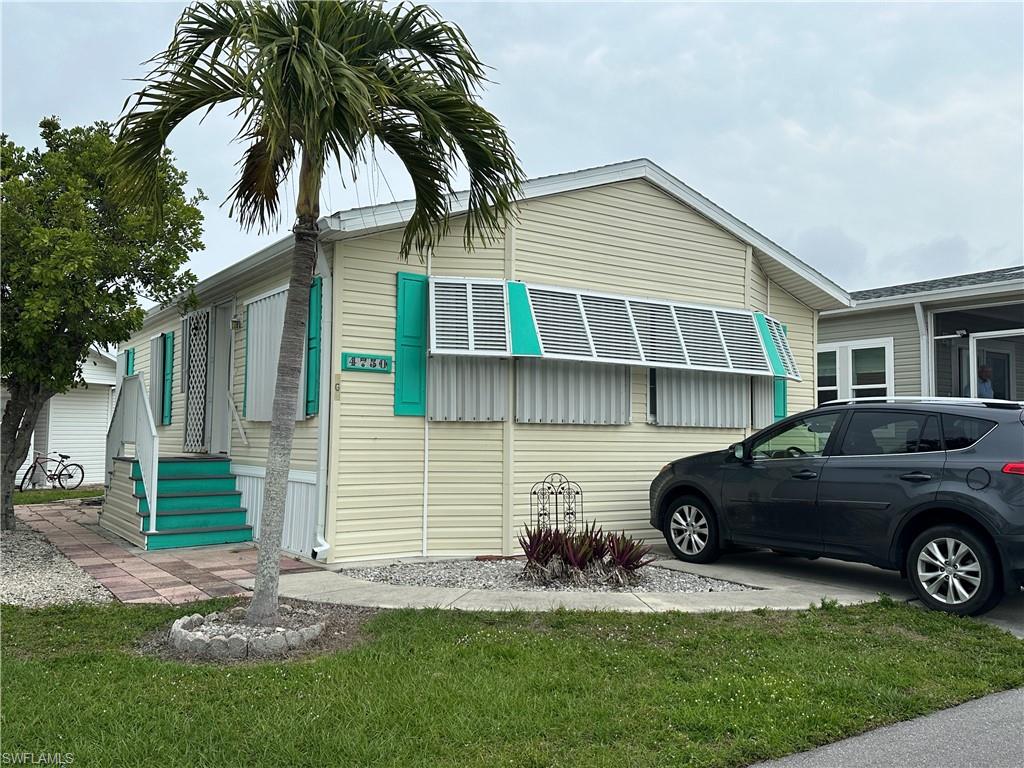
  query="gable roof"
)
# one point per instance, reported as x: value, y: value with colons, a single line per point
x: 989, y: 277
x: 782, y: 267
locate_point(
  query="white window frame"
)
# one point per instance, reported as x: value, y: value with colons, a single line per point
x: 844, y: 365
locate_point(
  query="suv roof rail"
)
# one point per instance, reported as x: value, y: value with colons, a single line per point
x: 969, y: 401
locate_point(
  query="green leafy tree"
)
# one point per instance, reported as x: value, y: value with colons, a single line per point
x: 77, y: 256
x: 315, y: 84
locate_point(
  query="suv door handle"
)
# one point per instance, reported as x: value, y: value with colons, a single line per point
x: 916, y: 477
x: 805, y: 474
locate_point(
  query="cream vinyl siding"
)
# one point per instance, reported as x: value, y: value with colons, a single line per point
x: 799, y: 321
x: 900, y: 324
x: 625, y: 238
x: 758, y: 287
x: 630, y: 239
x: 120, y: 506
x: 172, y: 436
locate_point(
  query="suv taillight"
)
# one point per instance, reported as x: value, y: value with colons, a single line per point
x: 1014, y: 468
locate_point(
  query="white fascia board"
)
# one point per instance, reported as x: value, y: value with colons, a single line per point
x: 927, y: 297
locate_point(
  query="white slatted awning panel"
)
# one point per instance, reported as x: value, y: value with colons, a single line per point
x: 470, y: 316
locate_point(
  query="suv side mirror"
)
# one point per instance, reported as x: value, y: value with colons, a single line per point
x: 738, y: 451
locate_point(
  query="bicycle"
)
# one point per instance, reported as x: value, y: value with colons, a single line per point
x: 68, y: 476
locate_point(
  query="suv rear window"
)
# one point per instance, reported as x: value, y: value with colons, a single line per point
x: 963, y: 431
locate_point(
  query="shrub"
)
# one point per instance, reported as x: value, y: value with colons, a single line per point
x: 584, y: 555
x: 626, y: 556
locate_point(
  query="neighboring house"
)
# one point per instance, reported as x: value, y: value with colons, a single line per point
x: 623, y: 321
x: 75, y: 422
x: 930, y: 338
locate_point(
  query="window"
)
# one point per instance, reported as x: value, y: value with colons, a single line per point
x: 876, y: 433
x: 855, y: 369
x: 804, y: 437
x: 571, y: 392
x: 964, y: 431
x: 700, y: 399
x: 161, y: 376
x: 828, y: 379
x: 467, y: 389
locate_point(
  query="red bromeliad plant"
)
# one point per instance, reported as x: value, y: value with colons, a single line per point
x: 626, y: 556
x: 540, y: 545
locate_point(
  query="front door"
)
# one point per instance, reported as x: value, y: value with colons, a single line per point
x: 885, y: 464
x: 196, y: 326
x: 220, y: 379
x: 771, y: 496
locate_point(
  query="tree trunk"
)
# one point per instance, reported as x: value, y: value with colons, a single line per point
x: 263, y: 608
x: 19, y: 422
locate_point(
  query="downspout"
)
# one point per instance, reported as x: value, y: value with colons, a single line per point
x: 326, y: 401
x: 426, y: 442
x: 925, y: 353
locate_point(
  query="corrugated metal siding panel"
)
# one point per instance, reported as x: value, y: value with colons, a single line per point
x: 762, y: 399
x: 900, y: 324
x: 703, y: 399
x: 799, y: 321
x: 467, y: 389
x: 300, y: 511
x: 569, y: 392
x: 613, y: 464
x: 78, y: 426
x: 632, y: 239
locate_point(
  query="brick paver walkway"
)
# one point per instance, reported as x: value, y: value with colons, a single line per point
x: 134, y: 575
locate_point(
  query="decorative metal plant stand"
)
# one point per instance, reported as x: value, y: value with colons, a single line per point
x: 556, y: 502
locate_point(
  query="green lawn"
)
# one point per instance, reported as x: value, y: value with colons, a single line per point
x: 46, y: 495
x: 436, y: 688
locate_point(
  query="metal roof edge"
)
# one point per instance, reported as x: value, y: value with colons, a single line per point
x: 924, y: 297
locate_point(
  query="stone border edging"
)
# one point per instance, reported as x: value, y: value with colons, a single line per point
x: 237, y: 646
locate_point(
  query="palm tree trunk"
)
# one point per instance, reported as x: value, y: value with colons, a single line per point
x: 263, y: 608
x: 19, y: 422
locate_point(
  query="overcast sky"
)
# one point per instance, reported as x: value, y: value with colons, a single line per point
x: 879, y: 143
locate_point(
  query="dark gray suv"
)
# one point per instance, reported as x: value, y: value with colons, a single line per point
x: 934, y: 489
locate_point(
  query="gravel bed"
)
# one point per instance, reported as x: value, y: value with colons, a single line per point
x: 34, y: 573
x: 508, y: 575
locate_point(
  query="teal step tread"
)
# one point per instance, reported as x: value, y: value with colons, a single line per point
x: 197, y: 537
x: 173, y: 512
x: 168, y: 485
x: 196, y: 501
x: 182, y: 494
x: 181, y: 471
x: 186, y: 457
x: 201, y: 520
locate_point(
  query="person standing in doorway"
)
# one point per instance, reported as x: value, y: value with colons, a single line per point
x: 985, y: 381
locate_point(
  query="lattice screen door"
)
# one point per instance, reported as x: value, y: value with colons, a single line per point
x: 197, y: 334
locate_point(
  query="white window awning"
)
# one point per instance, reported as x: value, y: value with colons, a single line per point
x: 486, y: 317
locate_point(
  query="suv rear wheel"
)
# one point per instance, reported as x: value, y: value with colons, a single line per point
x: 953, y: 570
x: 691, y: 530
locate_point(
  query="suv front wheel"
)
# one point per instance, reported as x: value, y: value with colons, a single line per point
x: 691, y: 530
x: 953, y: 570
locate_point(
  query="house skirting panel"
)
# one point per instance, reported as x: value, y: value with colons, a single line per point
x: 300, y: 515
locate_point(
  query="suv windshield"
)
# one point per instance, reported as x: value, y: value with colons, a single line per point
x: 804, y: 437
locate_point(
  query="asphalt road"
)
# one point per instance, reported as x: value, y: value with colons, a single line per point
x: 985, y: 733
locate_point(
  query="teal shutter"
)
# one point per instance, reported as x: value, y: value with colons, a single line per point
x: 781, y: 392
x: 129, y: 362
x: 313, y: 345
x: 411, y: 345
x: 165, y: 408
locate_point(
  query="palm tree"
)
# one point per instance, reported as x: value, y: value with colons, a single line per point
x: 315, y: 84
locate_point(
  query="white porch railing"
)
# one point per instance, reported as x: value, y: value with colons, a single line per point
x: 132, y: 423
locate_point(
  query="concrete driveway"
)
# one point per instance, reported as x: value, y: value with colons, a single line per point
x: 766, y: 569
